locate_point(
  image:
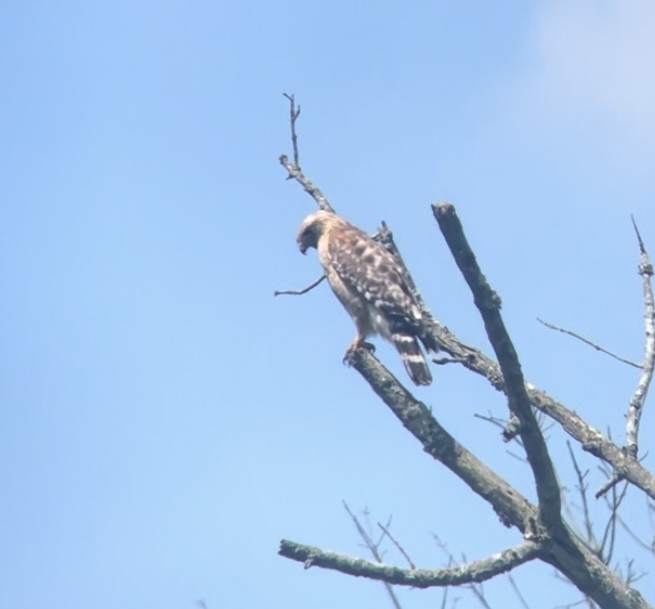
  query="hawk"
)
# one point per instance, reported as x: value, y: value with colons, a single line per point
x: 371, y: 286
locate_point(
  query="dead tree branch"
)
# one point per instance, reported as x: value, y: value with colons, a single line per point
x: 293, y: 168
x: 313, y: 191
x: 294, y: 113
x: 477, y: 571
x: 512, y: 508
x: 636, y: 406
x: 488, y: 303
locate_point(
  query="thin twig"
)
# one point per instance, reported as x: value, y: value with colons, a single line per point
x: 588, y: 342
x: 294, y: 113
x: 497, y: 421
x: 363, y: 534
x: 395, y: 542
x: 509, y: 426
x: 293, y: 168
x: 444, y: 598
x: 382, y: 534
x: 299, y: 292
x: 479, y: 594
x: 582, y: 491
x: 631, y: 576
x: 373, y: 548
x: 636, y: 406
x: 609, y: 535
x: 650, y: 510
x: 517, y: 591
x: 636, y: 538
x: 477, y: 589
x: 611, y: 483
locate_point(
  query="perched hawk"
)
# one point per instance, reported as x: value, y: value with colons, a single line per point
x: 370, y: 284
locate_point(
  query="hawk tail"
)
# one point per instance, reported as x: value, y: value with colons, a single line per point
x: 413, y: 358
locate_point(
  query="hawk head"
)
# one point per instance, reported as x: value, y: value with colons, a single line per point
x: 312, y: 228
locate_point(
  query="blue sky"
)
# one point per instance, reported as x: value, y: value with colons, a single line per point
x: 165, y: 420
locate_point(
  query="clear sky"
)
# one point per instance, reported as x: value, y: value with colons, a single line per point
x: 164, y: 420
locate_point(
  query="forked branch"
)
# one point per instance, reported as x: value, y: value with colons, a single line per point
x: 292, y: 167
x: 294, y: 113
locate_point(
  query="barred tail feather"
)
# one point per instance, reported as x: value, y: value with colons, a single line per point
x: 413, y: 358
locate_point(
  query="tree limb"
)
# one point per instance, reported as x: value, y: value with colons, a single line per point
x: 512, y: 508
x: 477, y: 571
x: 312, y: 190
x: 488, y: 304
x: 636, y: 406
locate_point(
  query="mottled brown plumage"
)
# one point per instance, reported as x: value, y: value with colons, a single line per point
x: 371, y: 286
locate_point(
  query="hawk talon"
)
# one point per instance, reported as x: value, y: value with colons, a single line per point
x: 350, y: 353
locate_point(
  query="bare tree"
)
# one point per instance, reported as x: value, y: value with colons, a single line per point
x: 577, y: 553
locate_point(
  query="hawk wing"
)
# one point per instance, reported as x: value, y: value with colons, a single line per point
x: 370, y: 283
x: 370, y: 271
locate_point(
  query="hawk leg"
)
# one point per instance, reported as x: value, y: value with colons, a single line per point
x: 356, y: 344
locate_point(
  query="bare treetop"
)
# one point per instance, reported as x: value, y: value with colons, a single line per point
x: 545, y: 535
